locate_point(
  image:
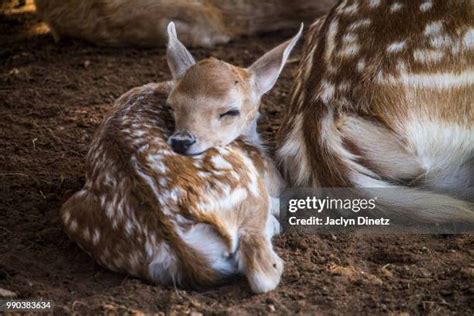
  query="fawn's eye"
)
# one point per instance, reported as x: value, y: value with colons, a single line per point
x: 230, y: 113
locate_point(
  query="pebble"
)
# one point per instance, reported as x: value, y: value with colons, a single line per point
x: 468, y: 272
x: 7, y: 293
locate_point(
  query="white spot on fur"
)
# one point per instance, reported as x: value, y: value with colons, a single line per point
x: 139, y: 133
x: 204, y: 174
x: 163, y: 181
x: 327, y: 91
x: 149, y: 249
x: 427, y: 55
x: 223, y: 201
x: 396, y: 7
x: 73, y: 225
x: 441, y: 41
x: 350, y: 50
x: 358, y: 24
x: 360, y: 65
x: 432, y: 80
x: 86, y: 234
x: 425, y: 6
x: 129, y: 227
x: 220, y: 163
x: 374, y: 3
x: 433, y: 28
x: 401, y: 66
x: 351, y: 9
x: 331, y: 39
x: 344, y: 86
x: 396, y: 47
x: 66, y: 217
x: 349, y: 38
x: 157, y: 163
x: 95, y: 236
x: 468, y: 38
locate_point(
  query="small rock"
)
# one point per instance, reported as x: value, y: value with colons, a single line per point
x: 446, y: 292
x: 61, y: 309
x: 386, y: 272
x: 14, y: 72
x: 87, y: 63
x: 468, y: 272
x: 303, y: 245
x: 301, y: 302
x: 194, y: 313
x: 7, y: 294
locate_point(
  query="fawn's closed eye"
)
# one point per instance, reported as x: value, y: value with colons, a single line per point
x: 230, y: 113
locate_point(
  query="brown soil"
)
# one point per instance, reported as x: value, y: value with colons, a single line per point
x: 52, y: 98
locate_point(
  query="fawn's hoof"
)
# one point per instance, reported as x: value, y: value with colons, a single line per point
x: 266, y: 280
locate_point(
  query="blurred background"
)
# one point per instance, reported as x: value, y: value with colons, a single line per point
x: 53, y: 95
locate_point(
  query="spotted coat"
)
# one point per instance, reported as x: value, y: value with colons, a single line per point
x: 383, y: 98
x: 149, y: 212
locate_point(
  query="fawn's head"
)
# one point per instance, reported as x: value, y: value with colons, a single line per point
x: 215, y: 102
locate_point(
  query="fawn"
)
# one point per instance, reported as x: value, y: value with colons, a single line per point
x: 192, y: 206
x: 199, y: 23
x: 384, y: 99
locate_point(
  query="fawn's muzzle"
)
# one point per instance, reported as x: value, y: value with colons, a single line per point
x: 181, y: 142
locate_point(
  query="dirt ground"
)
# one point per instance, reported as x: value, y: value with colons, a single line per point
x: 52, y: 98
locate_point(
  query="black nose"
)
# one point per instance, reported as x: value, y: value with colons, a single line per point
x: 180, y: 142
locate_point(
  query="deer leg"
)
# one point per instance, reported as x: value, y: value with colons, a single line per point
x: 380, y: 150
x: 257, y: 260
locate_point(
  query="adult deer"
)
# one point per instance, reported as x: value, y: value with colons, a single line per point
x: 199, y: 22
x: 195, y: 207
x: 384, y: 99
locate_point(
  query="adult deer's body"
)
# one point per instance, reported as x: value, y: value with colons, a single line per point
x: 384, y: 98
x: 199, y: 23
x: 196, y: 217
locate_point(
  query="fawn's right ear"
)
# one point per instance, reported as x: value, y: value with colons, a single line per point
x: 266, y: 69
x: 178, y: 57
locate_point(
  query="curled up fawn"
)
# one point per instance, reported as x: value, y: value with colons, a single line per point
x: 190, y: 207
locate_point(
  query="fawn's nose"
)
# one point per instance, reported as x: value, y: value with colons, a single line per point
x: 181, y: 141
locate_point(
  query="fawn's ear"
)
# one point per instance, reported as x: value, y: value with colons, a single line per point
x: 265, y: 71
x: 178, y: 57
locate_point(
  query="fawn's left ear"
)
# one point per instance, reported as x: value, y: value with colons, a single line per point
x: 178, y: 57
x: 265, y: 71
